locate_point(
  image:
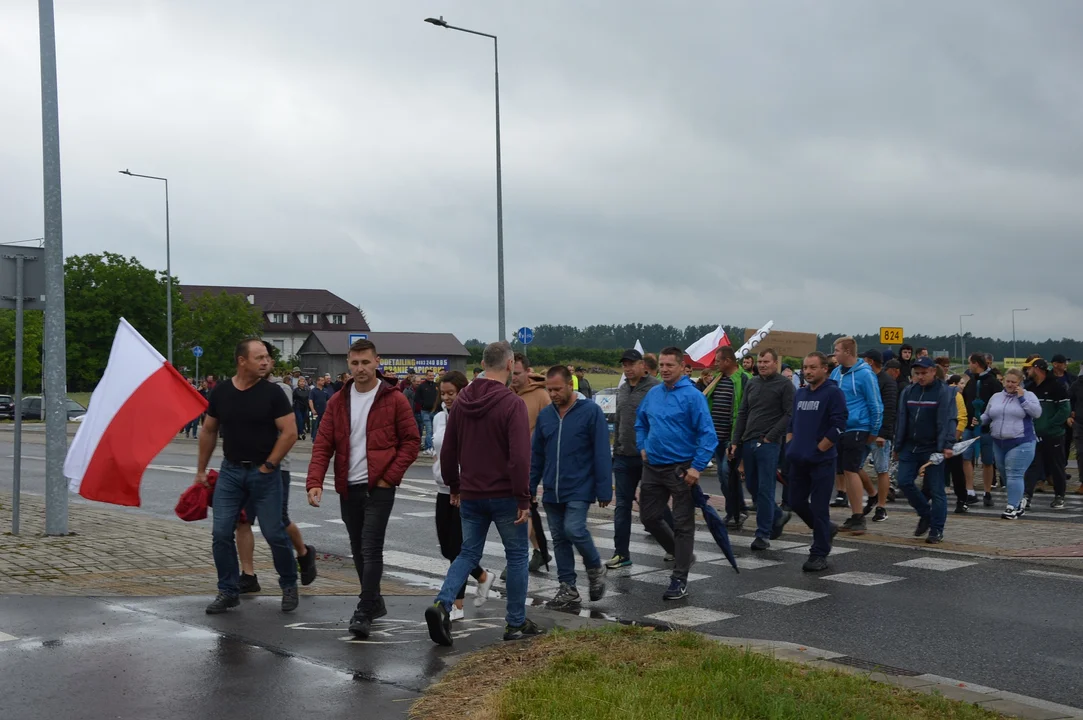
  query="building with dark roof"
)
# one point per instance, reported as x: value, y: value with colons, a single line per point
x: 325, y: 351
x: 290, y: 315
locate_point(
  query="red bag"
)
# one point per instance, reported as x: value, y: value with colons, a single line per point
x: 196, y: 499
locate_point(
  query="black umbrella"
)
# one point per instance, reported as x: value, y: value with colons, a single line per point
x: 539, y: 529
x: 714, y: 524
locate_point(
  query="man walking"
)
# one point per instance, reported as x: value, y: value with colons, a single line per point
x: 977, y: 393
x: 258, y: 430
x: 884, y: 440
x: 317, y: 402
x: 427, y: 397
x: 370, y: 432
x: 1049, y: 427
x: 865, y: 412
x: 817, y: 424
x: 570, y: 458
x: 627, y: 461
x: 485, y: 461
x: 676, y: 440
x: 926, y: 424
x: 582, y: 384
x: 531, y: 388
x: 723, y: 399
x: 761, y: 425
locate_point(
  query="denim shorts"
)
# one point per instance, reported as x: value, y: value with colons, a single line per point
x: 988, y: 457
x: 881, y: 457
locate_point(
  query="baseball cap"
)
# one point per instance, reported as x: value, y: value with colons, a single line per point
x: 631, y: 355
x: 924, y: 362
x: 1038, y: 363
x: 1059, y: 358
x: 873, y: 355
x: 579, y: 368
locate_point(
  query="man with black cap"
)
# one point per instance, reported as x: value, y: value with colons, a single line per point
x: 584, y: 384
x: 1065, y: 378
x: 1049, y: 427
x: 882, y: 443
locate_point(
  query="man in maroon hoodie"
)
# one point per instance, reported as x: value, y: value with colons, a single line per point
x: 485, y: 461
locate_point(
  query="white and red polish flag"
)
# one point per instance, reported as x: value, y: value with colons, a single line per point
x: 701, y: 353
x: 139, y: 405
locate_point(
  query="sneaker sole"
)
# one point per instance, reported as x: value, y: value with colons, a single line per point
x: 596, y: 596
x: 678, y: 597
x: 222, y: 611
x: 437, y: 632
x: 356, y: 632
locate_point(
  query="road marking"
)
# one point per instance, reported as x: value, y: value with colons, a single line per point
x: 426, y: 514
x: 662, y: 577
x: 336, y: 521
x: 652, y: 550
x: 835, y: 550
x: 784, y: 596
x: 862, y: 578
x: 690, y: 616
x: 1057, y: 575
x: 941, y: 564
x: 748, y: 563
x: 305, y: 526
x: 4, y: 637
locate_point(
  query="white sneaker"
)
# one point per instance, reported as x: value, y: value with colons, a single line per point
x: 484, y: 588
x: 457, y: 613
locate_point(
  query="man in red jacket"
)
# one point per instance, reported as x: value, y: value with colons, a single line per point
x: 370, y: 431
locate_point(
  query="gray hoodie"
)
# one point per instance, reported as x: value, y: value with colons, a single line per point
x: 765, y: 409
x: 624, y: 425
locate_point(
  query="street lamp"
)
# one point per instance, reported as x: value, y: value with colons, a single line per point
x: 440, y: 22
x: 1015, y: 353
x: 962, y: 340
x: 168, y: 268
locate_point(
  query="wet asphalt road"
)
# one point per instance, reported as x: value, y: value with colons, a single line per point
x: 1007, y: 624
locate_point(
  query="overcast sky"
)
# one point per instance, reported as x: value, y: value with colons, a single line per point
x: 833, y: 166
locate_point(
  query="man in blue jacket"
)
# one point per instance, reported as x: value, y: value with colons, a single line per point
x: 570, y: 457
x: 676, y: 438
x: 866, y: 411
x: 816, y: 425
x: 926, y: 424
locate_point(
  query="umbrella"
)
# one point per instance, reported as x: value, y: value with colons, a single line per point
x: 539, y: 529
x: 714, y: 524
x: 957, y: 449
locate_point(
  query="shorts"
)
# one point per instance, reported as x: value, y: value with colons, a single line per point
x: 985, y: 444
x: 250, y: 511
x: 881, y: 457
x: 852, y: 450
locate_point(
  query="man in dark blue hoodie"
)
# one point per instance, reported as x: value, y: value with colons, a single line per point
x: 818, y: 422
x: 926, y: 424
x: 570, y: 457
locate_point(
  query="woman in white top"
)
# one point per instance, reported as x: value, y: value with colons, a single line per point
x: 449, y: 527
x: 1010, y: 416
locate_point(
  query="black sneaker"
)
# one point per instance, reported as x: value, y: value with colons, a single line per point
x: 987, y: 500
x: 361, y: 625
x: 676, y: 590
x: 249, y: 584
x: 567, y: 597
x: 307, y: 564
x: 289, y: 599
x: 840, y: 500
x: 380, y: 610
x: 923, y: 527
x: 961, y: 508
x: 855, y: 524
x: 222, y: 603
x: 439, y: 622
x: 935, y: 537
x: 971, y: 498
x: 760, y: 544
x: 1058, y: 503
x: 870, y: 504
x: 780, y: 524
x: 880, y: 515
x: 527, y: 629
x: 596, y: 578
x: 815, y: 563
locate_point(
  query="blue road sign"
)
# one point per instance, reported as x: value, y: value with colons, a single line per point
x: 525, y: 335
x: 197, y: 351
x: 354, y: 337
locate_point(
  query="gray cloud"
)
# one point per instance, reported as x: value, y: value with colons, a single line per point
x: 833, y: 166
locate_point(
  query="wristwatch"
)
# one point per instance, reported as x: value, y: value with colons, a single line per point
x: 270, y: 465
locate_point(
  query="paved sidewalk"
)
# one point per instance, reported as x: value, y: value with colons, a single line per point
x: 112, y: 551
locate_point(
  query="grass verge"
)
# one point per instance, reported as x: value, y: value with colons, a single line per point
x: 638, y: 674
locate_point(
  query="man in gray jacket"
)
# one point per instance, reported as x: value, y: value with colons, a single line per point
x: 761, y: 430
x: 627, y: 463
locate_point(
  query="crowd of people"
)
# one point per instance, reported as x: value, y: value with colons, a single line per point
x: 816, y: 432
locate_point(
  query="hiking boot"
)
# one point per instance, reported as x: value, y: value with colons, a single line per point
x: 361, y: 625
x: 987, y: 499
x: 439, y: 622
x: 289, y: 599
x: 538, y: 559
x: 596, y: 577
x: 840, y: 500
x: 961, y: 508
x: 1058, y: 503
x: 870, y: 504
x: 815, y: 563
x: 567, y: 597
x: 676, y: 590
x: 760, y: 544
x: 935, y: 537
x: 923, y: 527
x: 307, y: 564
x: 855, y: 524
x: 618, y: 561
x: 249, y: 584
x: 1010, y: 513
x: 880, y: 515
x: 526, y: 630
x: 780, y: 524
x: 484, y: 588
x: 222, y: 603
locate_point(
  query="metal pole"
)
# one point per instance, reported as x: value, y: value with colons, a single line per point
x: 55, y: 392
x: 197, y: 370
x: 1014, y: 349
x: 499, y: 204
x: 168, y: 285
x: 16, y: 486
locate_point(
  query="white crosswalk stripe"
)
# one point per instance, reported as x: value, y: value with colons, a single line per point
x: 862, y: 578
x: 930, y: 563
x: 690, y: 616
x: 784, y: 596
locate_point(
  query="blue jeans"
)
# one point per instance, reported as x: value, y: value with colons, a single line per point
x: 761, y: 468
x: 426, y: 430
x: 302, y: 420
x: 936, y: 511
x: 316, y: 426
x: 568, y: 525
x: 240, y: 485
x: 983, y: 446
x: 1014, y: 464
x: 627, y: 472
x: 477, y: 516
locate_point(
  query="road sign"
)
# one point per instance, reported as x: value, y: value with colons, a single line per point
x: 197, y: 351
x: 354, y: 337
x: 525, y: 335
x: 891, y: 336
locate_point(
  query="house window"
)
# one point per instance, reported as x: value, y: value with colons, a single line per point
x: 307, y: 319
x: 338, y: 319
x: 277, y: 317
x: 280, y: 345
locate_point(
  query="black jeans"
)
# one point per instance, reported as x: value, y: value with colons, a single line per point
x: 449, y: 533
x: 660, y: 483
x: 365, y: 512
x: 1048, y: 462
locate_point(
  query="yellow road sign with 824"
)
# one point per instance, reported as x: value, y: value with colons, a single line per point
x: 891, y: 336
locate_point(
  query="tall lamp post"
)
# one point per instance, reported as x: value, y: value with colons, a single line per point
x: 1015, y: 353
x: 168, y: 268
x: 962, y: 340
x: 440, y: 22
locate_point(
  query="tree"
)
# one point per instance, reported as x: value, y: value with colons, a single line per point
x: 99, y: 290
x: 32, y: 337
x: 216, y: 323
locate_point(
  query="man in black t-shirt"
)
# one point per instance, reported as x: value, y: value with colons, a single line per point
x: 258, y: 428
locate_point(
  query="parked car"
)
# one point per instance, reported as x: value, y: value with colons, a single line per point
x: 32, y: 409
x: 7, y: 408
